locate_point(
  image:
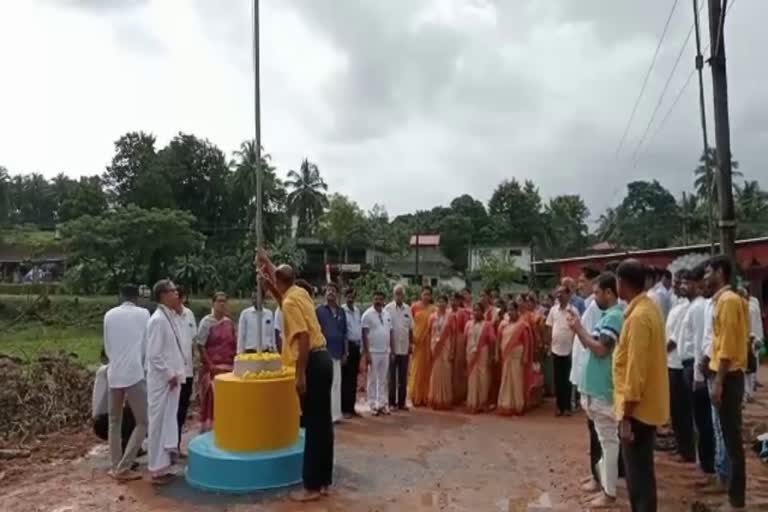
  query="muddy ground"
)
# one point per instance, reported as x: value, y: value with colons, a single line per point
x: 417, y: 461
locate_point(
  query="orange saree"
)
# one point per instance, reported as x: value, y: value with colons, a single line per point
x: 480, y: 339
x: 421, y: 361
x: 442, y: 329
x: 463, y: 316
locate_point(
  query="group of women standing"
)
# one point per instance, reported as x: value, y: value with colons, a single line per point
x: 482, y: 356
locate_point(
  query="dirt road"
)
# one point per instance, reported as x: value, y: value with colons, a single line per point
x: 417, y: 461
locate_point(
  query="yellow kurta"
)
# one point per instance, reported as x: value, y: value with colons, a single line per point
x: 421, y: 364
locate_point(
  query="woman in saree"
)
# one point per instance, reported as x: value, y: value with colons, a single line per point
x: 442, y: 331
x: 463, y: 315
x: 499, y: 321
x: 516, y: 344
x: 217, y: 343
x: 421, y: 361
x: 480, y: 338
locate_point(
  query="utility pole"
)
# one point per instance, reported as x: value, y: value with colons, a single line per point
x: 685, y: 221
x: 416, y: 270
x: 703, y: 111
x: 727, y: 222
x: 257, y: 166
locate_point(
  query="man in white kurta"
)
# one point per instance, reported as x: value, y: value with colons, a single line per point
x: 165, y: 373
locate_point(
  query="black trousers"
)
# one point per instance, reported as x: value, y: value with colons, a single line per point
x: 185, y: 395
x: 101, y: 426
x: 317, y: 422
x: 681, y: 412
x: 562, y: 371
x: 398, y: 381
x: 349, y: 373
x: 702, y: 417
x: 595, y: 450
x: 639, y: 467
x: 730, y: 423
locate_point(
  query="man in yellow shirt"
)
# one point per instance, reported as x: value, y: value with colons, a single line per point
x: 640, y: 384
x: 728, y: 361
x: 304, y: 347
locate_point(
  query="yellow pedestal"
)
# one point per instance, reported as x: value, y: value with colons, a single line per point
x: 255, y: 415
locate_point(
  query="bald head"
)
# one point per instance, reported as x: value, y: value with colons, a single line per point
x: 284, y: 277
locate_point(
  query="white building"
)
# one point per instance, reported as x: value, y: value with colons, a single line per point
x: 517, y: 255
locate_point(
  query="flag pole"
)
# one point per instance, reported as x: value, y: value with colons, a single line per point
x: 257, y: 167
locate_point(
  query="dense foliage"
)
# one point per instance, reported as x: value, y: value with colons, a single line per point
x: 186, y: 211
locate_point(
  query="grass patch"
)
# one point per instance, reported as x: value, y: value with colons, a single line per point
x: 28, y: 342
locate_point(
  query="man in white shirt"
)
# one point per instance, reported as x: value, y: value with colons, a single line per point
x: 690, y: 351
x: 187, y: 334
x: 400, y: 313
x: 578, y: 357
x: 755, y: 343
x: 166, y: 370
x: 351, y: 367
x: 679, y: 397
x: 125, y: 339
x: 562, y: 346
x: 660, y: 293
x: 378, y: 344
x: 100, y: 408
x: 248, y: 329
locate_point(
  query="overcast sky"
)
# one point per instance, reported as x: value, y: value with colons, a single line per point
x: 405, y: 102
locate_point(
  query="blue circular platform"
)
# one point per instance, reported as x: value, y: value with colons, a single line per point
x: 212, y: 469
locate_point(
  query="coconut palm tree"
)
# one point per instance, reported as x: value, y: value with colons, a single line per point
x: 243, y: 188
x: 307, y: 198
x: 703, y: 176
x: 751, y: 209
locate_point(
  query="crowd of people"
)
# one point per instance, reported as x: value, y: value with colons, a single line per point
x: 632, y: 346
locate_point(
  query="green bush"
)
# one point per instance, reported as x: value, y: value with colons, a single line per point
x: 29, y: 288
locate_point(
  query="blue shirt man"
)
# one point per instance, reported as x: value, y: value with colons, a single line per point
x: 333, y: 323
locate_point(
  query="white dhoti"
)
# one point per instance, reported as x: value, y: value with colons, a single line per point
x: 163, y: 405
x: 378, y: 375
x: 165, y: 362
x: 336, y: 392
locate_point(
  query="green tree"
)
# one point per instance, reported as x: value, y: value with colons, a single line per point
x: 343, y: 224
x: 565, y: 226
x: 751, y: 210
x: 648, y: 217
x: 243, y: 192
x: 133, y: 178
x: 32, y: 200
x: 5, y: 196
x: 516, y: 213
x: 307, y: 198
x: 134, y: 244
x: 704, y: 175
x: 608, y: 226
x: 199, y: 173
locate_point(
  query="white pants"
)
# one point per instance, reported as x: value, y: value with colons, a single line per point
x: 336, y: 392
x: 607, y: 428
x: 378, y: 374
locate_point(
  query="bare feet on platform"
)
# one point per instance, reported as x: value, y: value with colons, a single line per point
x: 305, y: 496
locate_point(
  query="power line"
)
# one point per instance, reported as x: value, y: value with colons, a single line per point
x: 661, y: 96
x: 666, y: 117
x: 647, y: 77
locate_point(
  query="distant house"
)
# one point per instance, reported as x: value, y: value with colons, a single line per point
x: 322, y: 258
x: 517, y: 255
x: 432, y: 266
x: 21, y: 263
